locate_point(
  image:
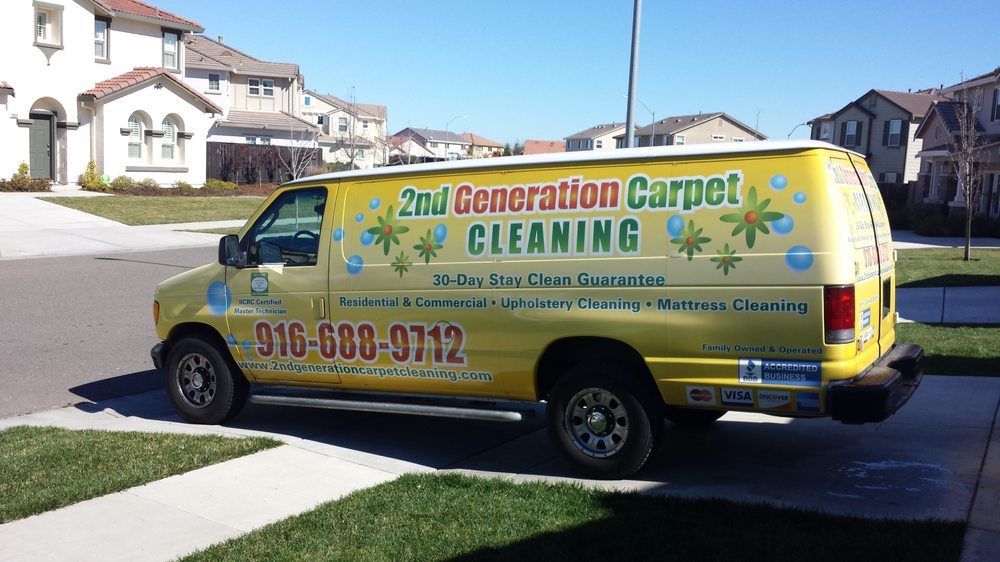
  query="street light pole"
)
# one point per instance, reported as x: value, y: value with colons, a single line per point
x: 446, y: 125
x: 633, y: 71
x: 652, y: 138
x: 793, y: 129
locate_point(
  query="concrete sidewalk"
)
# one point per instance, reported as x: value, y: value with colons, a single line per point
x: 909, y: 240
x: 30, y: 227
x: 939, y: 457
x: 949, y: 305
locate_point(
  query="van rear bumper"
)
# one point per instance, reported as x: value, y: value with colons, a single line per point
x: 881, y: 390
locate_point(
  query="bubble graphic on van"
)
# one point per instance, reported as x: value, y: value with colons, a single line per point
x: 247, y: 344
x: 354, y: 264
x: 675, y: 225
x: 218, y: 298
x: 374, y: 203
x: 799, y: 258
x: 231, y: 340
x: 778, y: 182
x: 338, y: 234
x: 367, y: 238
x: 359, y: 217
x: 799, y: 198
x: 783, y: 225
x: 440, y: 233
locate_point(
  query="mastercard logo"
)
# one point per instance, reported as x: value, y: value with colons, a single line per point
x: 701, y: 395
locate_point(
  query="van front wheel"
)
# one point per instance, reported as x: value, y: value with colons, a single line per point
x: 203, y: 386
x: 600, y: 423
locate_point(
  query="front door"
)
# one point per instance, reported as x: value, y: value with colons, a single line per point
x: 279, y: 298
x: 40, y: 145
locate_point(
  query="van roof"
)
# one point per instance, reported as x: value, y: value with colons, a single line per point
x: 708, y: 149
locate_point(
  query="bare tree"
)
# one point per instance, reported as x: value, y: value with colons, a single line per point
x: 300, y: 154
x: 965, y: 150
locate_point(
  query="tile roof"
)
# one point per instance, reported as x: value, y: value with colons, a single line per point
x: 203, y: 52
x: 138, y: 76
x: 543, y: 146
x: 473, y: 138
x: 6, y: 88
x: 437, y: 136
x: 597, y: 131
x: 277, y: 120
x: 144, y: 10
x: 947, y: 111
x: 677, y: 123
x: 915, y: 102
x: 370, y: 109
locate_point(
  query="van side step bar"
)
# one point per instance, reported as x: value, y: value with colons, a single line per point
x: 360, y: 404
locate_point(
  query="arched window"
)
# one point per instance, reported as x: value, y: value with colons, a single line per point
x: 169, y: 147
x: 135, y: 126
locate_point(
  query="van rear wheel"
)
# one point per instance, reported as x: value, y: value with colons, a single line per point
x: 203, y: 385
x: 601, y: 421
x: 691, y: 417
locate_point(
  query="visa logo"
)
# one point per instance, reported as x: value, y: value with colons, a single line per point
x: 737, y: 397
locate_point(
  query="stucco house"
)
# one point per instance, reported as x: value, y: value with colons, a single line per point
x: 430, y: 144
x: 939, y: 182
x: 693, y: 129
x: 598, y: 137
x: 100, y: 80
x: 882, y: 125
x: 351, y: 133
x: 482, y: 147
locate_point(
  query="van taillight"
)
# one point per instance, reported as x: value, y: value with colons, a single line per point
x: 838, y: 313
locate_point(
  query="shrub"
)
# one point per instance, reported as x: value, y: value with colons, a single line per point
x: 183, y: 186
x: 89, y: 180
x: 22, y: 181
x: 23, y: 172
x: 212, y: 184
x: 148, y: 183
x: 928, y: 221
x: 122, y: 183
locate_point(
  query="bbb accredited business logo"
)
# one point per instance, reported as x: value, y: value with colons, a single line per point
x: 780, y: 372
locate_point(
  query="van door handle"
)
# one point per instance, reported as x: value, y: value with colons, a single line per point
x: 319, y: 307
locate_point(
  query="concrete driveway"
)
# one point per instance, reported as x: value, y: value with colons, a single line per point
x: 30, y: 227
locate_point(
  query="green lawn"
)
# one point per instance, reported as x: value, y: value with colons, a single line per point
x: 955, y: 350
x: 944, y: 267
x: 45, y: 468
x: 452, y: 517
x: 136, y: 210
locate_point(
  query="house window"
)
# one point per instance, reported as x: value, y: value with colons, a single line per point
x: 170, y: 42
x: 826, y: 131
x: 101, y: 28
x: 434, y: 145
x: 319, y: 119
x: 213, y: 82
x: 995, y: 207
x: 719, y: 138
x: 850, y: 134
x: 893, y: 132
x: 342, y: 124
x: 268, y: 88
x: 308, y: 100
x: 995, y: 110
x: 135, y: 137
x: 265, y: 140
x: 678, y: 139
x: 253, y: 86
x: 48, y: 25
x: 891, y: 177
x: 737, y: 139
x: 598, y: 144
x: 169, y: 146
x: 361, y: 153
x: 364, y: 124
x: 251, y: 140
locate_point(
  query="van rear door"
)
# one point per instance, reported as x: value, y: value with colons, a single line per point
x: 865, y: 240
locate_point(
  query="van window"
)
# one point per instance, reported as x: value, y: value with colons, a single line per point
x: 289, y: 230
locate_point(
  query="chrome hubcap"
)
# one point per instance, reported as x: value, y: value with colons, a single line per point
x: 597, y: 422
x: 196, y: 380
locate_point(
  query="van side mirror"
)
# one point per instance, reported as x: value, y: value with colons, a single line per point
x: 230, y: 252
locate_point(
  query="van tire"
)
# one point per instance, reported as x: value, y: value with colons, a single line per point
x: 203, y: 384
x: 618, y: 392
x: 691, y: 417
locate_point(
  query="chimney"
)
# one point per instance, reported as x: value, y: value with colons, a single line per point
x: 220, y: 39
x: 909, y: 90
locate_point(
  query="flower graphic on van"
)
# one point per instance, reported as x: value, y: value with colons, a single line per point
x: 428, y: 247
x: 402, y: 263
x: 726, y: 259
x: 753, y: 218
x: 690, y: 240
x: 387, y: 231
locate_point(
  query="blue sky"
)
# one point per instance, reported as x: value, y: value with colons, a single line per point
x: 544, y: 69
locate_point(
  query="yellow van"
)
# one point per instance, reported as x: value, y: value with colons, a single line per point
x: 617, y: 287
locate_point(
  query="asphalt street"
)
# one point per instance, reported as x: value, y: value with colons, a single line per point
x: 80, y: 328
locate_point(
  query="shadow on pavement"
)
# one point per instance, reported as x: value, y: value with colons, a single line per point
x: 116, y: 387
